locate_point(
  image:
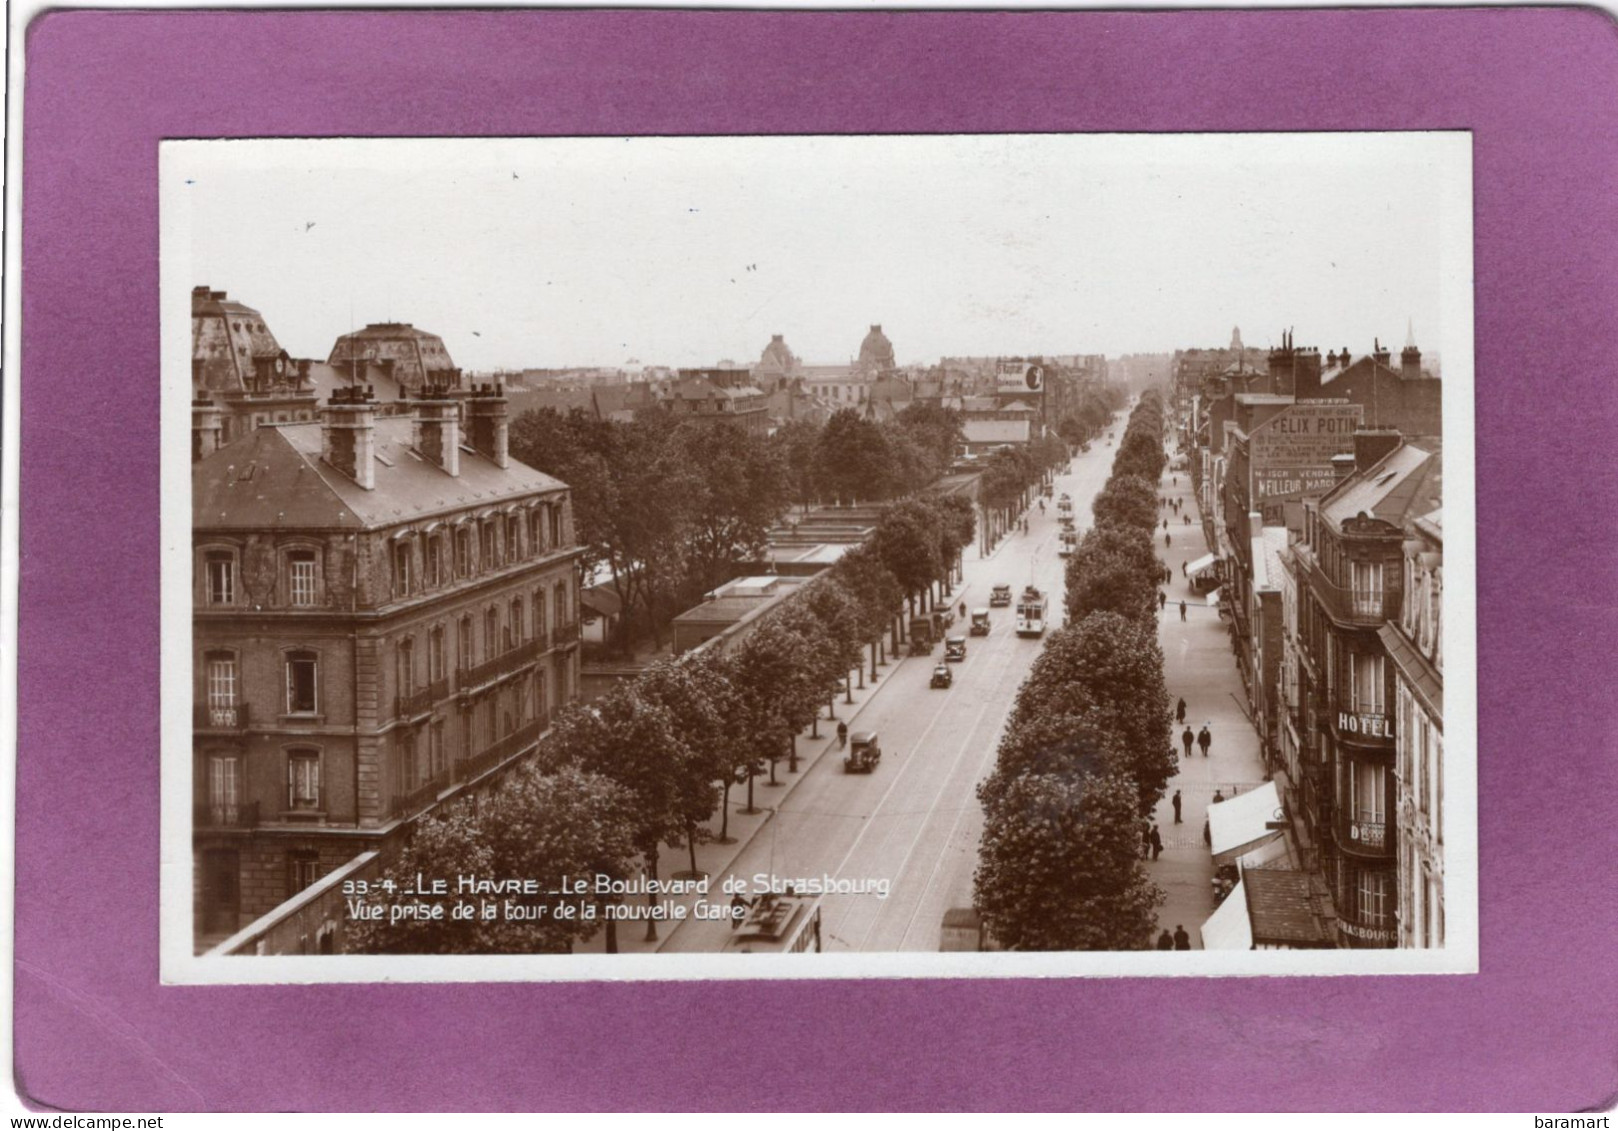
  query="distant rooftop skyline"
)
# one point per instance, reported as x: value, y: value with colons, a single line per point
x: 523, y: 253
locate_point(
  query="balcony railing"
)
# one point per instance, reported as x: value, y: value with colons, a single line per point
x: 501, y: 665
x: 420, y: 701
x: 1354, y: 606
x: 1359, y: 832
x: 225, y: 815
x: 220, y: 716
x: 490, y: 757
x: 564, y: 634
x: 408, y: 804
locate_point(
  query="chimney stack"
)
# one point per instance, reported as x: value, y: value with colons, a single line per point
x: 1410, y: 363
x: 486, y: 423
x: 1372, y: 445
x: 1380, y: 352
x: 348, y: 434
x: 437, y: 432
x: 205, y: 428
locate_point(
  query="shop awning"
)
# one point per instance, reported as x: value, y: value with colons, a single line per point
x: 1213, y: 598
x: 1200, y: 565
x: 1237, y: 826
x: 1229, y: 928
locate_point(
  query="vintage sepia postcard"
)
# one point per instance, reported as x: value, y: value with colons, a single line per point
x: 817, y: 556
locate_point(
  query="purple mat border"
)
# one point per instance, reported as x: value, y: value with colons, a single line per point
x: 1534, y: 1031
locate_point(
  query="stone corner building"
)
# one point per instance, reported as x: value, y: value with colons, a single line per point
x: 385, y: 614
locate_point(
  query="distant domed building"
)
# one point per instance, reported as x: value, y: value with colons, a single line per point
x: 876, y: 352
x: 777, y: 360
x: 418, y: 359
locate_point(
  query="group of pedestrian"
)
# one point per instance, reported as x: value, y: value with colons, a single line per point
x: 1202, y: 738
x: 1151, y: 843
x: 1179, y: 940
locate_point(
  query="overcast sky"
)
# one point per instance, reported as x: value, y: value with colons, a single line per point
x: 685, y: 251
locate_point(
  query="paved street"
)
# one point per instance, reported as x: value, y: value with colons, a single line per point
x: 915, y: 821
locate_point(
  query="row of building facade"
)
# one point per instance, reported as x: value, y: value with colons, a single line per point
x: 385, y: 603
x: 1320, y: 489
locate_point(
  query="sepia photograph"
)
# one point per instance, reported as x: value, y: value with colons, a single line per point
x: 818, y: 556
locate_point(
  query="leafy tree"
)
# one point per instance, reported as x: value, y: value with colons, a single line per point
x: 531, y: 826
x: 796, y: 443
x: 906, y: 540
x: 778, y: 691
x: 1060, y: 867
x: 1126, y: 501
x: 852, y: 460
x: 686, y: 689
x: 630, y: 738
x: 741, y: 487
x: 1114, y: 569
x: 1114, y: 665
x: 881, y: 597
x: 1063, y: 745
x: 957, y: 525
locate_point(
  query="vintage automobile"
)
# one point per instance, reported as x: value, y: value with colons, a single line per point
x: 1001, y: 596
x: 922, y: 635
x: 980, y: 622
x: 943, y: 676
x: 864, y: 752
x: 954, y: 649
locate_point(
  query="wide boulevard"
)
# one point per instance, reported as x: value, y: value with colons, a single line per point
x: 915, y: 821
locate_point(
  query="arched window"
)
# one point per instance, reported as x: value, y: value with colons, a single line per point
x: 539, y: 613
x: 515, y: 628
x: 491, y: 633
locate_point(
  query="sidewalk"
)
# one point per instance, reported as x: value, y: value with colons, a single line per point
x: 1199, y: 667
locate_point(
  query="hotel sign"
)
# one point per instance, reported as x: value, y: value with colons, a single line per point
x: 1364, y: 725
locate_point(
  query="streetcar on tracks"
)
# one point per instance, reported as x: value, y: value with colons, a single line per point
x: 1031, y: 613
x: 778, y: 924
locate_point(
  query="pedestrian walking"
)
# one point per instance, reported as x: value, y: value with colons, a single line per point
x: 1177, y: 807
x: 1179, y: 711
x: 1165, y: 941
x: 1182, y: 941
x: 1205, y: 739
x: 1157, y: 843
x: 1165, y: 524
x: 1219, y: 795
x: 1182, y: 610
x: 1162, y: 600
x: 1145, y: 844
x: 1183, y: 573
x: 1207, y: 836
x: 1188, y: 738
x: 1168, y: 539
x: 1188, y: 520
